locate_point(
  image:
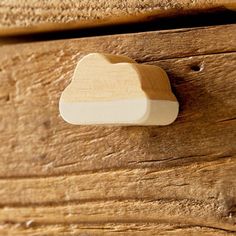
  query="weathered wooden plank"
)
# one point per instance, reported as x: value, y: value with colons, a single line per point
x: 130, y: 229
x: 132, y: 184
x: 177, y: 195
x: 45, y: 15
x: 33, y: 76
x: 62, y: 179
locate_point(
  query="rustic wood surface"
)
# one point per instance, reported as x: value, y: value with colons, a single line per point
x: 60, y: 179
x: 27, y: 16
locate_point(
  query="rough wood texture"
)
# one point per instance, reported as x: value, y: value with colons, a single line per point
x: 59, y: 179
x: 41, y: 16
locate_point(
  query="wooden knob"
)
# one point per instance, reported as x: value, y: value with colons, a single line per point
x: 112, y: 89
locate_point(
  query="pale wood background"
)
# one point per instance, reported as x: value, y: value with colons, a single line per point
x: 27, y: 16
x: 60, y: 179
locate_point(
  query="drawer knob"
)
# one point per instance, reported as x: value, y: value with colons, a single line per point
x: 112, y: 89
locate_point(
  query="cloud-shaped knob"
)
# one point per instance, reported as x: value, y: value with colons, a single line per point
x: 112, y: 89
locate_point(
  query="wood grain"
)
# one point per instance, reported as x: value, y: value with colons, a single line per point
x: 61, y: 179
x: 23, y: 17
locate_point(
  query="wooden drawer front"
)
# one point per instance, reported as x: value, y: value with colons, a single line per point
x: 181, y: 179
